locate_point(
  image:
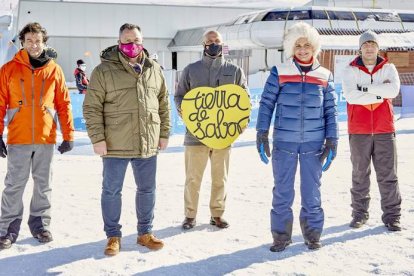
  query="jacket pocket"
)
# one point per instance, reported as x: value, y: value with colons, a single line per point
x: 11, y: 113
x: 118, y: 132
x: 52, y: 113
x: 154, y: 130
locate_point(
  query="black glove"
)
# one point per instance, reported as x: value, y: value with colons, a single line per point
x: 3, y: 148
x: 329, y: 153
x: 262, y: 143
x: 65, y: 146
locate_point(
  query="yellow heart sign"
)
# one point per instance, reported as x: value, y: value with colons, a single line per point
x: 216, y: 116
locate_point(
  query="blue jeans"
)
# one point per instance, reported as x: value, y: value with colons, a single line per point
x: 284, y: 160
x: 114, y: 169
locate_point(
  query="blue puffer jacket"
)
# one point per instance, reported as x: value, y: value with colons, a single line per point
x: 306, y: 104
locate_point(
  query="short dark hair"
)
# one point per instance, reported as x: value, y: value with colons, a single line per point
x: 80, y: 61
x: 129, y: 27
x: 33, y: 27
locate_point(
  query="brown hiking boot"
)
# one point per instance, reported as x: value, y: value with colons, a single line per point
x: 150, y: 241
x: 113, y: 246
x: 219, y: 222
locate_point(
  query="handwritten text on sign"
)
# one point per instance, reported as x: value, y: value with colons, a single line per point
x: 216, y: 116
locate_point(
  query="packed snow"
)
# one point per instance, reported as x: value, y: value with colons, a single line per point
x: 242, y: 249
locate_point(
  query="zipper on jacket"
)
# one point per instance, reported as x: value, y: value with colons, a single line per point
x: 372, y: 112
x: 302, y: 127
x: 144, y: 84
x: 33, y: 113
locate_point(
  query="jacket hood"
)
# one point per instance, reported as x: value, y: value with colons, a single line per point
x: 22, y: 56
x: 110, y: 54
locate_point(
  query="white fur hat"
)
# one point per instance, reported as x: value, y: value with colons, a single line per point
x: 297, y: 31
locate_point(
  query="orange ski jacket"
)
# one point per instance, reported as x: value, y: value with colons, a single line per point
x: 34, y: 99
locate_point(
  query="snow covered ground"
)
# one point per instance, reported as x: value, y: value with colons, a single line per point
x: 242, y: 249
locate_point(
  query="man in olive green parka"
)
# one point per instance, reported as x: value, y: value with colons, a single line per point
x: 127, y: 117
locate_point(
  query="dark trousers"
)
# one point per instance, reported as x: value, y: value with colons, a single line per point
x: 381, y: 148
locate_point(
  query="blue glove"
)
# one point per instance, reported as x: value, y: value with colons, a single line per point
x: 329, y: 153
x: 262, y: 143
x: 3, y: 148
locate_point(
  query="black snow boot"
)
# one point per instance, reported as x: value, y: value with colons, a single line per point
x: 280, y: 242
x: 357, y: 222
x: 5, y: 242
x: 44, y: 236
x: 393, y: 226
x: 312, y: 236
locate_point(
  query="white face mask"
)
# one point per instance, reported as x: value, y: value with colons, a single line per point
x: 82, y: 67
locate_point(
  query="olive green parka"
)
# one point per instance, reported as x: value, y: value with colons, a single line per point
x: 128, y: 110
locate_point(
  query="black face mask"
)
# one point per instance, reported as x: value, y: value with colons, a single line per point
x: 213, y: 50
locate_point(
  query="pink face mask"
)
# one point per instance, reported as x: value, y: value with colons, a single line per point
x: 131, y: 50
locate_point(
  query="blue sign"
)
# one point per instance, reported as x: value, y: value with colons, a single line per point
x: 76, y: 100
x: 177, y: 123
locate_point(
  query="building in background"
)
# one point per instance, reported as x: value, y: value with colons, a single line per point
x: 253, y: 37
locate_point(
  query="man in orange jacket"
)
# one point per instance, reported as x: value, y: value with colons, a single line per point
x: 32, y: 92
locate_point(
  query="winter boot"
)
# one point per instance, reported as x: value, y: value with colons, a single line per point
x: 312, y: 236
x: 393, y: 226
x: 113, y: 246
x: 280, y: 242
x: 357, y: 222
x: 44, y: 236
x: 5, y: 242
x: 150, y: 241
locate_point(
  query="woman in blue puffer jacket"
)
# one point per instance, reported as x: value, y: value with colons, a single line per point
x: 305, y: 129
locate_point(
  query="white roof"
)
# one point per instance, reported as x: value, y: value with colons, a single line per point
x: 386, y: 40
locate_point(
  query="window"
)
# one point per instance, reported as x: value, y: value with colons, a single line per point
x: 319, y: 15
x: 361, y: 16
x: 388, y: 17
x: 276, y: 16
x: 407, y: 17
x: 299, y: 15
x: 340, y: 15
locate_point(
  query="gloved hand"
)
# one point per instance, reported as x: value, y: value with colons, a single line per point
x: 329, y: 153
x: 65, y: 146
x: 3, y: 148
x: 262, y: 143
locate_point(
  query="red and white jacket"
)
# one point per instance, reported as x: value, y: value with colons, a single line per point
x: 369, y: 105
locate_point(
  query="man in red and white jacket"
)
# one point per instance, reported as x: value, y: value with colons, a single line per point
x: 369, y: 84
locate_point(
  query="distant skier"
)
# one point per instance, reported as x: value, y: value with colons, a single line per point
x: 305, y: 129
x: 369, y: 84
